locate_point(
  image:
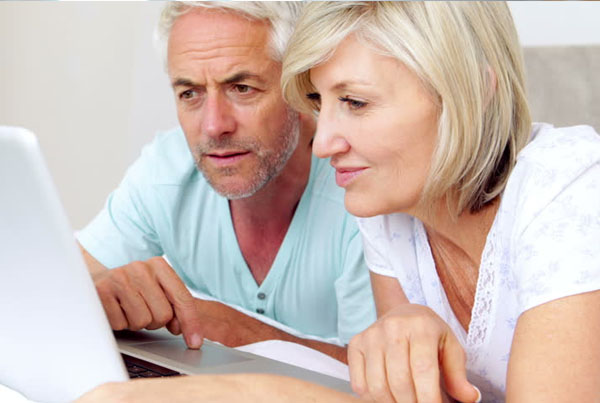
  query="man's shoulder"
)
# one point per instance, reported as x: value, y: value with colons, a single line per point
x: 166, y: 160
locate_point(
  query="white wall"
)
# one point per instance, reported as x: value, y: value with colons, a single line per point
x: 547, y: 23
x: 85, y: 78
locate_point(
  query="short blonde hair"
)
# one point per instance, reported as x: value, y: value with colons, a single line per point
x: 466, y: 54
x: 280, y: 15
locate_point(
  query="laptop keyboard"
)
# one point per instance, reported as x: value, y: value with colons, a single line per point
x: 143, y: 369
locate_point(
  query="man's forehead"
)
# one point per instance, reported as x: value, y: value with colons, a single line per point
x: 214, y: 30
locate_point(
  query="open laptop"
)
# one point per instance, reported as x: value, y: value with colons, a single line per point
x: 55, y: 340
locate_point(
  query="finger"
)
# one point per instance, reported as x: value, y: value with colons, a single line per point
x: 356, y: 365
x: 183, y: 303
x: 376, y: 377
x: 136, y: 311
x: 453, y: 364
x: 156, y: 300
x: 114, y: 313
x: 134, y: 307
x: 174, y: 327
x: 398, y: 372
x: 424, y: 368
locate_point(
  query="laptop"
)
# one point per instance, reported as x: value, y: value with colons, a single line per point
x: 55, y: 340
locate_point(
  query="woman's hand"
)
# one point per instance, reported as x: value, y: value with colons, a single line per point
x: 399, y: 359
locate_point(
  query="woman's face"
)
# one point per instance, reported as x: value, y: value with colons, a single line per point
x: 379, y: 126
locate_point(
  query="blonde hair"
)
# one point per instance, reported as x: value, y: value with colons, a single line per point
x: 280, y: 15
x: 465, y: 53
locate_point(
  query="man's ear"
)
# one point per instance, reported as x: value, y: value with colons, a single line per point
x: 492, y: 84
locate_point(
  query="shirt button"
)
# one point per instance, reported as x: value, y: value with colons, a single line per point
x: 261, y: 295
x: 260, y: 310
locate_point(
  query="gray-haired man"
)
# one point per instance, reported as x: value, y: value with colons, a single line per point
x: 249, y: 217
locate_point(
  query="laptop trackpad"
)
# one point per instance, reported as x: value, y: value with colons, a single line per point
x: 210, y: 355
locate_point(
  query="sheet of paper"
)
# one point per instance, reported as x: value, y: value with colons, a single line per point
x: 8, y: 395
x: 299, y: 355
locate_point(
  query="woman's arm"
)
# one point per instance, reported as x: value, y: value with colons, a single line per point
x: 387, y: 293
x: 555, y: 354
x: 215, y: 388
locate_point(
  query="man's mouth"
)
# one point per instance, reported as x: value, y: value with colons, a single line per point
x: 226, y: 157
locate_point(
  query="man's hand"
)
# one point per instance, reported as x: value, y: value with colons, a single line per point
x: 233, y: 329
x: 400, y: 357
x: 149, y: 295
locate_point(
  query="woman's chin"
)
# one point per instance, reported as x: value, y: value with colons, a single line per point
x: 361, y: 206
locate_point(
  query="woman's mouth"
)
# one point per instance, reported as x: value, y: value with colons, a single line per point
x: 344, y: 176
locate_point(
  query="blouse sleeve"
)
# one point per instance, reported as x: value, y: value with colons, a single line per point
x: 374, y: 243
x: 558, y: 251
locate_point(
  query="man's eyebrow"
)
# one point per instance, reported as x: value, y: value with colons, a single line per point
x: 183, y: 82
x: 242, y: 76
x: 236, y: 78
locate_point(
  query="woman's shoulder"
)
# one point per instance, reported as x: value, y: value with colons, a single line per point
x: 561, y: 148
x: 551, y: 163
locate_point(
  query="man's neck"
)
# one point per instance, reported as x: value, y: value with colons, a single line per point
x: 261, y: 221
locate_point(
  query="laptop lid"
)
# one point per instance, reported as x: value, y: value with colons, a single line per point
x: 55, y: 341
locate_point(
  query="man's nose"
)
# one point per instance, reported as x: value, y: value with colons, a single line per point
x: 328, y: 140
x: 217, y: 117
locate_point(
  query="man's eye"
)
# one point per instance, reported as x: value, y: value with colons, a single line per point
x: 353, y: 103
x: 187, y: 94
x: 242, y: 89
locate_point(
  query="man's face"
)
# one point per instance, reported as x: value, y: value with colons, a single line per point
x: 229, y: 101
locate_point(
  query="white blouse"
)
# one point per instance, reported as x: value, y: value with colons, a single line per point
x: 544, y: 244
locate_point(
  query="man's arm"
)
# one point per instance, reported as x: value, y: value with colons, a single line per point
x: 233, y: 328
x: 127, y: 291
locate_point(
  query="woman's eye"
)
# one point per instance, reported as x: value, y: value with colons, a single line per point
x: 353, y: 103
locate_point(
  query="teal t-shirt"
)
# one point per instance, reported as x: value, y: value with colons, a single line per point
x: 318, y: 283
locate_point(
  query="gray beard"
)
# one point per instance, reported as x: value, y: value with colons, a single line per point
x: 271, y: 162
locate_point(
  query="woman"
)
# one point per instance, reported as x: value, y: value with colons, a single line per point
x: 488, y: 225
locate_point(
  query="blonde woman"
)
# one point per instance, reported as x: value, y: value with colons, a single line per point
x: 487, y: 225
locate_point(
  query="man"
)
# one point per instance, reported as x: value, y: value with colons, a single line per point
x: 249, y: 217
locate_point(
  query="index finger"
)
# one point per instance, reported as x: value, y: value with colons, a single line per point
x: 184, y: 304
x: 453, y: 363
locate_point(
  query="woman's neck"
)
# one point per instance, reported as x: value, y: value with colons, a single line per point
x: 456, y: 246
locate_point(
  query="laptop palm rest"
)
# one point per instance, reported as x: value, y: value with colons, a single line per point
x: 162, y: 348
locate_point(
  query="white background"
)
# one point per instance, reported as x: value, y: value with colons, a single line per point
x: 85, y: 78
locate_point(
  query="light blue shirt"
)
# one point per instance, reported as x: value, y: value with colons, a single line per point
x: 318, y: 283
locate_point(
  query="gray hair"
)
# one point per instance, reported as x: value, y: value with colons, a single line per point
x: 281, y: 16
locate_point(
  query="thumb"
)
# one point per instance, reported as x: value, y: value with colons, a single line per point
x: 454, y: 371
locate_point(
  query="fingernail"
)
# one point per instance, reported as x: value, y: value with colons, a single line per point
x: 478, y: 394
x: 195, y: 341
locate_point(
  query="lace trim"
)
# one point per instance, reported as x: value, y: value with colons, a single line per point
x: 486, y: 285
